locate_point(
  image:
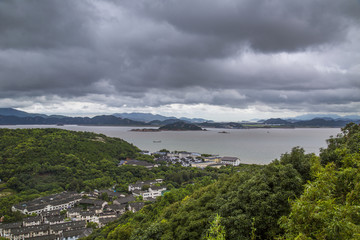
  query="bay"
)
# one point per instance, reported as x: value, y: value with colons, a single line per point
x: 259, y: 146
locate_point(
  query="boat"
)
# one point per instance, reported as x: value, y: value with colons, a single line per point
x: 223, y: 132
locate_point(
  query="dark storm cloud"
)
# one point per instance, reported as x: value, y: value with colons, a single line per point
x: 275, y: 25
x: 153, y: 53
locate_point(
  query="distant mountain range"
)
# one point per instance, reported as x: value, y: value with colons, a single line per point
x: 325, y: 116
x: 10, y: 116
x: 315, y: 122
x: 148, y: 117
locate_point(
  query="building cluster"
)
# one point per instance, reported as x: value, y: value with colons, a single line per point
x: 148, y: 190
x: 65, y: 216
x: 188, y: 159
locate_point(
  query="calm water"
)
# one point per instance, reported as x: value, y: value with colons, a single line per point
x: 259, y: 146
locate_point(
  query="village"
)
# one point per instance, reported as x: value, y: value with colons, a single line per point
x: 72, y: 215
x: 191, y: 159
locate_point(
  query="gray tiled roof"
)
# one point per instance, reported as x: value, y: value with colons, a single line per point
x: 25, y: 230
x: 77, y: 233
x: 55, y: 218
x: 10, y: 225
x: 229, y: 158
x: 68, y: 225
x: 32, y: 219
x: 107, y: 220
x: 123, y: 200
x: 46, y: 237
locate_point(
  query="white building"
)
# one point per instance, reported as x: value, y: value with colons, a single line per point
x: 152, y: 192
x: 233, y: 161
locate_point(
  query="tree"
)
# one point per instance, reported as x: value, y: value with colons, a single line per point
x: 329, y: 206
x: 216, y: 230
x: 92, y: 225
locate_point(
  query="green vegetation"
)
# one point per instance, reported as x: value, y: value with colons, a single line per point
x: 245, y: 200
x: 329, y: 206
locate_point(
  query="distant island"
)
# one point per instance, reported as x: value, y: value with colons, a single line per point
x: 145, y: 130
x: 180, y: 126
x: 176, y: 126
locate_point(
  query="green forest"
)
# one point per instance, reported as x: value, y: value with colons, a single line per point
x: 298, y: 196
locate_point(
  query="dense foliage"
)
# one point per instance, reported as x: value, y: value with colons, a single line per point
x: 50, y: 159
x: 329, y: 208
x: 245, y: 200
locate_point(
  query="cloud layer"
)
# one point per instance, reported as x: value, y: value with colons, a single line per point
x: 293, y: 56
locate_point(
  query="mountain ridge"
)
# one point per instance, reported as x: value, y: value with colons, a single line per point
x: 11, y: 116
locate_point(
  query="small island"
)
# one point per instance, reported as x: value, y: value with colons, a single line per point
x: 145, y: 130
x: 180, y: 126
x: 177, y: 126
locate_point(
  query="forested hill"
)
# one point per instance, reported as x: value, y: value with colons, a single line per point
x: 54, y: 159
x: 299, y: 196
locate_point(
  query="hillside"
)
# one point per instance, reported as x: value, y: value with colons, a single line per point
x: 47, y: 159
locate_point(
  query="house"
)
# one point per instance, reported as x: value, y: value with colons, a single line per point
x: 60, y: 228
x: 202, y: 164
x: 136, y: 206
x: 215, y: 159
x: 52, y: 213
x: 139, y: 184
x: 59, y: 201
x: 54, y: 219
x: 31, y: 231
x: 32, y: 221
x: 119, y: 209
x: 74, y: 213
x: 89, y: 216
x: 152, y: 192
x: 5, y: 228
x: 233, y: 161
x: 75, y: 234
x: 124, y: 200
x: 108, y: 214
x: 93, y: 202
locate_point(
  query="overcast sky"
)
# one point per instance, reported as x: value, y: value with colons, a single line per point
x: 221, y: 60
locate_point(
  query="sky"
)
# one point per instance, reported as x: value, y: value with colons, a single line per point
x: 227, y: 60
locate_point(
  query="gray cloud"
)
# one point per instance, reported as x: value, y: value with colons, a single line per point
x: 300, y: 55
